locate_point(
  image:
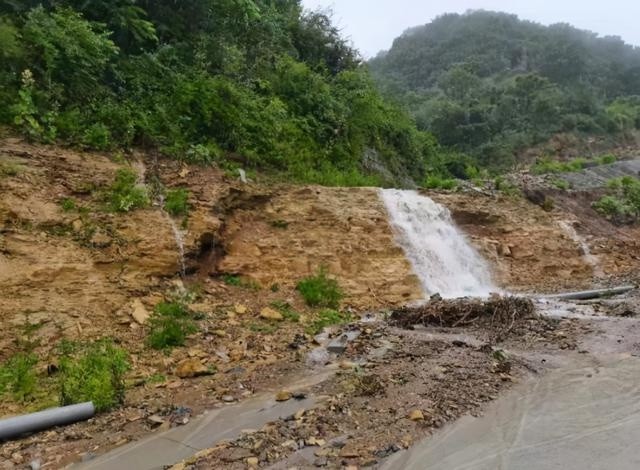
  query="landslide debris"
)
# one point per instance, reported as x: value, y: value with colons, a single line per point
x: 499, y: 314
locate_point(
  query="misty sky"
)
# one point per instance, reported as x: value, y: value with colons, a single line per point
x: 373, y: 24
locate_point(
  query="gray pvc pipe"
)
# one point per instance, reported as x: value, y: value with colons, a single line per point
x: 593, y: 294
x: 11, y: 428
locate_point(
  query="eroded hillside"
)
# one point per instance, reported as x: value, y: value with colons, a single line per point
x: 72, y: 269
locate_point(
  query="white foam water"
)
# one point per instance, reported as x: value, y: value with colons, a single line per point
x: 440, y: 255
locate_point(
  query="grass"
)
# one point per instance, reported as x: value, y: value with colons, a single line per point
x: 176, y: 202
x: 18, y: 377
x: 68, y: 205
x: 438, y: 182
x: 561, y: 184
x: 325, y: 318
x: 124, y: 195
x: 170, y: 324
x: 320, y: 290
x: 547, y: 165
x: 93, y: 372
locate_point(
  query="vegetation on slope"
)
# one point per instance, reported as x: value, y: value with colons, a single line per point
x: 488, y: 84
x: 256, y: 83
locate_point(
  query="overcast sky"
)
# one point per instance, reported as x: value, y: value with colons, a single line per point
x: 373, y: 24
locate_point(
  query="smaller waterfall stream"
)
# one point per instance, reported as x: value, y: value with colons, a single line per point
x: 441, y: 257
x: 179, y: 237
x: 589, y: 258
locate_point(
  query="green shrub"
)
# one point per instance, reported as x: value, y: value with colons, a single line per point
x: 327, y: 318
x: 438, y: 182
x: 320, y: 290
x: 93, y: 372
x: 97, y: 136
x: 623, y: 202
x: 177, y: 202
x: 124, y: 195
x: 170, y: 325
x: 18, y: 377
x: 607, y: 159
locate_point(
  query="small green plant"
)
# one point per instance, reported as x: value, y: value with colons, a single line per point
x: 177, y: 202
x: 232, y: 280
x: 68, y: 204
x: 124, y: 195
x: 170, y: 325
x: 607, y: 159
x: 281, y: 224
x: 438, y: 182
x: 18, y: 376
x: 320, y: 290
x: 325, y: 318
x: 237, y: 281
x: 93, y: 372
x: 562, y: 184
x: 286, y: 310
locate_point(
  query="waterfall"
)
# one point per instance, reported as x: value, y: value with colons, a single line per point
x: 441, y: 257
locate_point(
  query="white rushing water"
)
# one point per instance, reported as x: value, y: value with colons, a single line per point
x: 589, y: 258
x: 440, y: 255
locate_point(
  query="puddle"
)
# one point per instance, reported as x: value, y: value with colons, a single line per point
x: 578, y: 418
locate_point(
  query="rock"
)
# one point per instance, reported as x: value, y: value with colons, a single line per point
x: 220, y: 333
x: 321, y: 462
x: 35, y: 465
x: 339, y: 344
x: 416, y: 415
x: 312, y: 441
x: 252, y: 462
x: 299, y: 395
x: 504, y: 250
x: 283, y: 395
x: 100, y: 239
x: 228, y: 398
x: 17, y: 458
x: 270, y: 314
x: 155, y: 420
x: 240, y: 309
x: 191, y: 367
x: 77, y: 225
x: 139, y: 312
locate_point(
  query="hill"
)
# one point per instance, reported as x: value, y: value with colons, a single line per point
x: 253, y: 83
x: 491, y: 85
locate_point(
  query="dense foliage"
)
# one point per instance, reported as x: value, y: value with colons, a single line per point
x: 489, y: 84
x: 257, y: 83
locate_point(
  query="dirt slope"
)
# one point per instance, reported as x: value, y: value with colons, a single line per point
x: 80, y: 273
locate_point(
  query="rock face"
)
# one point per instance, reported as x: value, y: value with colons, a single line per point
x: 343, y: 229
